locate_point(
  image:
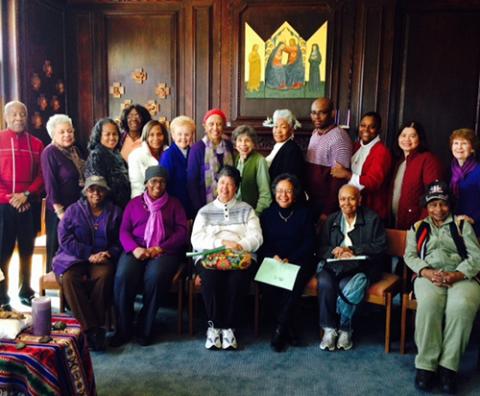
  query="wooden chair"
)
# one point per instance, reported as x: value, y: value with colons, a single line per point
x: 194, y: 288
x: 383, y: 291
x: 49, y: 282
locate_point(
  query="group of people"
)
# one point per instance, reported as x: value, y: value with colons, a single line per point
x: 120, y: 221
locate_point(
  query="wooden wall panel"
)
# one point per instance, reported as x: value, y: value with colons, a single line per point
x: 145, y: 42
x: 439, y: 80
x: 43, y: 58
x: 372, y: 61
x: 202, y: 70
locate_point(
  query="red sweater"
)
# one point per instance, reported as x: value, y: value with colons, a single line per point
x: 421, y: 170
x: 375, y: 178
x: 19, y: 164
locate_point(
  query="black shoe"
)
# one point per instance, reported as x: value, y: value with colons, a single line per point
x: 117, y: 340
x: 6, y: 307
x: 279, y: 339
x: 293, y: 338
x: 27, y: 300
x: 424, y: 380
x: 143, y: 340
x: 448, y: 380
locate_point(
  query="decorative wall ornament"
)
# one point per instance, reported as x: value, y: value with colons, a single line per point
x: 60, y: 87
x: 47, y: 68
x: 164, y: 121
x: 36, y: 82
x: 117, y: 90
x: 125, y: 104
x: 153, y: 107
x: 139, y: 75
x: 55, y: 104
x: 162, y: 91
x: 42, y: 102
x: 37, y: 120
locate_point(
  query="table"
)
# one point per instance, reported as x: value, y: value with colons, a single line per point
x: 60, y: 367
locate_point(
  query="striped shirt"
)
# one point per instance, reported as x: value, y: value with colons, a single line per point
x: 334, y: 146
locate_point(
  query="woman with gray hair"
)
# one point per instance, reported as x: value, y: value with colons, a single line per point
x: 154, y: 143
x: 286, y: 156
x: 62, y: 169
x: 254, y: 188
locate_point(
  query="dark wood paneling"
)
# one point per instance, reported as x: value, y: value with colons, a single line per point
x: 439, y: 81
x: 203, y: 55
x: 43, y: 35
x: 372, y: 60
x: 150, y: 42
x: 81, y: 76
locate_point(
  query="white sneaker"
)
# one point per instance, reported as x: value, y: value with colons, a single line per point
x: 344, y: 340
x: 213, y: 337
x: 328, y: 339
x: 228, y: 339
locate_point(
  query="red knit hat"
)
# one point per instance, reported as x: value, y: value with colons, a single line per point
x: 214, y: 112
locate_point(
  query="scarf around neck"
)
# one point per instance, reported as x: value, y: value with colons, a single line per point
x: 73, y: 155
x: 460, y: 172
x: 155, y: 228
x: 212, y: 165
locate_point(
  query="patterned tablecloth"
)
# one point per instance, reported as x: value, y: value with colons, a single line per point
x: 59, y: 367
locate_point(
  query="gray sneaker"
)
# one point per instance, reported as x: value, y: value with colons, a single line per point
x: 344, y: 340
x: 228, y: 339
x: 328, y: 340
x: 213, y: 337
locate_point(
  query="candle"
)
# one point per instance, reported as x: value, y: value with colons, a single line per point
x: 41, y: 316
x: 348, y: 118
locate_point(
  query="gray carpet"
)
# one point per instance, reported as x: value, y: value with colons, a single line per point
x: 176, y: 365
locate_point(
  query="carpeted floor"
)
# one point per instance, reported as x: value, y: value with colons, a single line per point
x: 180, y: 365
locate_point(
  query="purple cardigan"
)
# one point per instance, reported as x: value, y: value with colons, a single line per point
x: 76, y: 236
x: 134, y: 222
x: 196, y: 174
x: 60, y: 177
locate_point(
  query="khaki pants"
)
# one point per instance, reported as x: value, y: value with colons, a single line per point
x: 444, y: 321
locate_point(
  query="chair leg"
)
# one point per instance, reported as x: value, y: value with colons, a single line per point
x: 257, y: 310
x: 191, y: 285
x: 62, y: 300
x: 403, y: 323
x: 180, y: 307
x: 388, y: 320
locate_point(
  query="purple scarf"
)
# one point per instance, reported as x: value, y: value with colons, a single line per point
x: 155, y: 229
x: 460, y: 172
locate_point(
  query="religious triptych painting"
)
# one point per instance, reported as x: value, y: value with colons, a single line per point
x: 286, y: 65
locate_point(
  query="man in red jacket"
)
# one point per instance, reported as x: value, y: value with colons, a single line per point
x: 20, y: 183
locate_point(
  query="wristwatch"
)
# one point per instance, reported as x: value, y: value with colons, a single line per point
x: 26, y: 193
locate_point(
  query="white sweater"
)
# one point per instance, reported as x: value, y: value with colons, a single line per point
x: 235, y: 221
x: 138, y: 162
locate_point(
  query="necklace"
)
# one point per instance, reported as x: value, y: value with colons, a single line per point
x: 285, y: 218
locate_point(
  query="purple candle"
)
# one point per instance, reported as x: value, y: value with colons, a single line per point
x: 41, y: 316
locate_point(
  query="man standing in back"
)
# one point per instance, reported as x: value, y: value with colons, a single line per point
x: 328, y: 146
x: 20, y: 184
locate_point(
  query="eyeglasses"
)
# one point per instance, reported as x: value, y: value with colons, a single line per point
x: 284, y: 192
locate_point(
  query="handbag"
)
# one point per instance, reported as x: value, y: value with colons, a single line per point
x: 227, y: 260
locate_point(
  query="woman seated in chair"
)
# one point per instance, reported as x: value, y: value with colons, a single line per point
x: 154, y: 235
x: 352, y: 231
x: 226, y: 276
x: 289, y: 237
x: 85, y: 261
x: 445, y: 255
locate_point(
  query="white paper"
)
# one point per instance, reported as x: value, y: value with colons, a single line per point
x: 277, y: 274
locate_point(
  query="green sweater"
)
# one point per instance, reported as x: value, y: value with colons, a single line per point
x: 442, y: 252
x: 255, y: 186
